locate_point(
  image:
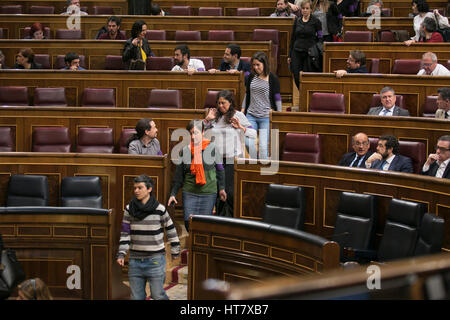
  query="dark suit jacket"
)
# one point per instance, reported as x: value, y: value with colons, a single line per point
x: 399, y: 163
x: 131, y: 52
x: 242, y: 66
x: 433, y: 169
x: 348, y: 158
x: 397, y: 111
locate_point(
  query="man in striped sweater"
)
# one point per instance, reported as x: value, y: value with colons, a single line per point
x: 143, y: 234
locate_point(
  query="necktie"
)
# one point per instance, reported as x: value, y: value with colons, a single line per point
x: 446, y: 115
x: 356, y: 162
x: 385, y: 111
x: 382, y: 164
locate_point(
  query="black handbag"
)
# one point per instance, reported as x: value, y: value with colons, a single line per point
x: 11, y: 271
x: 137, y: 64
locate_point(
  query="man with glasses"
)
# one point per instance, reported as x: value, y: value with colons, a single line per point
x: 443, y: 103
x: 357, y: 158
x: 431, y: 67
x: 356, y: 63
x: 437, y: 164
x: 388, y: 107
x: 387, y: 156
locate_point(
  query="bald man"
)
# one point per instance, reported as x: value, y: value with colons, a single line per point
x: 357, y: 158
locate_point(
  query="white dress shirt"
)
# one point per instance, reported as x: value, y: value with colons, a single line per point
x: 440, y: 171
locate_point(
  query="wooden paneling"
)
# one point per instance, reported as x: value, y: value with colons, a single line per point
x: 358, y: 89
x: 329, y: 180
x: 401, y: 8
x: 386, y: 23
x: 132, y: 88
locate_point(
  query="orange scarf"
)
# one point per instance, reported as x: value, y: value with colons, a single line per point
x: 197, y: 163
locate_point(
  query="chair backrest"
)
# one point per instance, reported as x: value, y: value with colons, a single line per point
x: 6, y: 139
x: 102, y: 10
x: 375, y: 65
x: 416, y: 151
x: 83, y: 191
x: 98, y: 97
x: 95, y: 140
x: 406, y: 66
x: 27, y: 33
x: 358, y: 36
x: 431, y: 235
x: 113, y: 62
x: 356, y: 219
x: 13, y: 96
x: 155, y: 35
x: 448, y: 64
x: 210, y: 11
x: 401, y: 230
x: 430, y: 106
x: 51, y: 139
x: 75, y: 34
x: 302, y: 147
x: 376, y: 101
x: 164, y: 98
x: 59, y: 61
x: 249, y: 12
x: 160, y: 63
x: 210, y: 99
x: 181, y: 11
x: 207, y: 61
x: 52, y: 97
x: 221, y: 35
x: 188, y: 35
x: 285, y: 206
x: 43, y: 59
x: 247, y: 59
x: 386, y: 12
x: 386, y: 36
x: 2, y: 34
x: 27, y: 190
x: 324, y: 102
x: 42, y: 10
x: 125, y: 135
x: 11, y: 9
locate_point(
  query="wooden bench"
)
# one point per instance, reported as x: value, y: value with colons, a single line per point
x: 132, y: 88
x: 243, y: 251
x: 386, y: 23
x: 359, y: 88
x: 401, y: 8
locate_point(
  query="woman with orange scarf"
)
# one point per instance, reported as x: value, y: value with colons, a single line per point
x: 200, y: 174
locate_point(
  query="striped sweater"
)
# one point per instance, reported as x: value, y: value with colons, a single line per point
x: 146, y: 237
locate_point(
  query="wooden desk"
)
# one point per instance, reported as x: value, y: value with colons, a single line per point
x: 48, y: 242
x: 387, y: 23
x: 132, y: 88
x: 239, y: 251
x: 401, y: 8
x: 336, y: 53
x: 359, y: 88
x: 323, y: 184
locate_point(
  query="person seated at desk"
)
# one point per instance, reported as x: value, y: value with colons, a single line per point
x: 357, y: 158
x: 437, y: 164
x: 388, y: 107
x: 25, y: 60
x: 2, y: 61
x: 137, y: 47
x: 356, y: 63
x: 36, y: 32
x: 387, y: 156
x: 144, y: 140
x: 283, y: 9
x: 155, y: 10
x: 183, y: 61
x: 74, y: 8
x: 113, y: 30
x: 431, y: 67
x: 443, y: 102
x: 232, y: 62
x: 428, y: 32
x: 72, y: 61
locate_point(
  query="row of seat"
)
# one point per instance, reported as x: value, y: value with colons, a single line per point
x: 408, y: 231
x: 18, y: 9
x: 301, y: 147
x: 33, y: 190
x: 325, y: 102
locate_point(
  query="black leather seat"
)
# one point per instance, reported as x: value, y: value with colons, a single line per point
x: 355, y: 221
x: 85, y: 191
x: 27, y: 190
x: 401, y: 230
x: 431, y: 235
x: 285, y: 206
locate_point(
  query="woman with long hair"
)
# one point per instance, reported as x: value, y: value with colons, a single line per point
x: 25, y: 60
x: 33, y: 289
x: 328, y: 14
x: 137, y: 47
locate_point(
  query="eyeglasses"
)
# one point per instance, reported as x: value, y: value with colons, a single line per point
x: 427, y: 64
x: 365, y: 143
x: 442, y: 149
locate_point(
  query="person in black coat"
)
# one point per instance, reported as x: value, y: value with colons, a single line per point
x: 25, y: 60
x: 357, y: 158
x: 330, y: 17
x: 137, y: 46
x: 437, y: 164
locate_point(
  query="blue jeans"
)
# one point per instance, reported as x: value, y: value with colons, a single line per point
x: 152, y: 269
x: 262, y: 126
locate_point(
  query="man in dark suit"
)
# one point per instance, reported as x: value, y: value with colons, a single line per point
x: 232, y: 62
x: 361, y: 145
x: 437, y: 164
x: 388, y: 107
x: 387, y: 157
